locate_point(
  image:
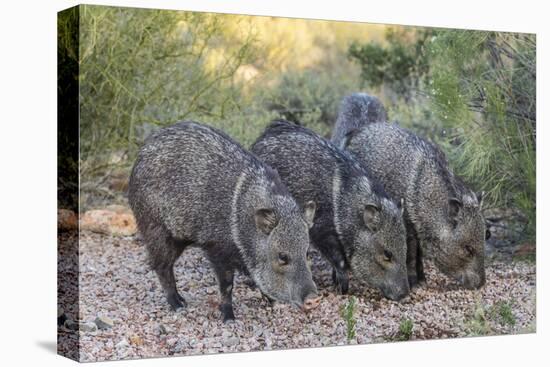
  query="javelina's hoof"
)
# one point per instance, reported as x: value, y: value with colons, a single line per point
x: 341, y: 282
x: 176, y: 301
x: 227, y: 313
x: 229, y: 319
x: 342, y: 288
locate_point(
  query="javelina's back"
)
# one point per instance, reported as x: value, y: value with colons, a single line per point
x: 181, y: 168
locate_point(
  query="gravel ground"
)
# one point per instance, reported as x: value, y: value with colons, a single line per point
x: 115, y: 282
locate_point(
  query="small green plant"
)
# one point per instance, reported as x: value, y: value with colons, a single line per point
x: 405, y: 329
x: 504, y: 310
x: 478, y: 324
x: 348, y: 315
x: 483, y: 316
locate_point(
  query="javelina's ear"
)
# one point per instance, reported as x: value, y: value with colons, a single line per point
x: 265, y: 220
x: 347, y: 138
x: 480, y: 196
x: 371, y: 217
x: 309, y: 212
x: 454, y: 206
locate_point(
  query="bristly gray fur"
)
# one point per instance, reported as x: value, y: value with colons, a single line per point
x: 443, y: 216
x: 356, y: 222
x: 192, y: 185
x: 356, y: 110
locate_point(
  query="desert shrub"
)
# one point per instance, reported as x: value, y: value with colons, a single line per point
x: 141, y: 66
x: 483, y: 91
x: 310, y: 97
x: 398, y: 64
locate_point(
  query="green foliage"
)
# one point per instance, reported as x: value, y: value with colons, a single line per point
x: 151, y: 66
x: 405, y: 329
x: 483, y: 317
x: 505, y: 313
x: 476, y: 97
x: 484, y: 93
x: 309, y: 97
x: 347, y: 312
x: 477, y: 324
x: 398, y: 65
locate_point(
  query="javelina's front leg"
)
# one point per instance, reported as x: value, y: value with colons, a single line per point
x: 421, y: 277
x: 341, y: 280
x: 221, y: 258
x: 412, y: 259
x: 331, y: 249
x: 225, y: 276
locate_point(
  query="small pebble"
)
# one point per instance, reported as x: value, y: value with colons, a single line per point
x: 88, y: 327
x: 104, y: 323
x: 232, y: 341
x: 71, y: 325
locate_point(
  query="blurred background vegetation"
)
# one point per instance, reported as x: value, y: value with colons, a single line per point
x: 472, y: 92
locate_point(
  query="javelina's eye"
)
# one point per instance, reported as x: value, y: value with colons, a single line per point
x: 387, y: 255
x: 470, y: 250
x: 283, y: 258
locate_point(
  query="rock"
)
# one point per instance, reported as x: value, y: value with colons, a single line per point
x: 70, y: 324
x: 231, y: 341
x: 227, y: 334
x: 109, y: 222
x: 61, y: 317
x: 123, y: 344
x: 66, y: 220
x: 88, y: 327
x: 136, y: 340
x: 164, y: 329
x: 104, y: 322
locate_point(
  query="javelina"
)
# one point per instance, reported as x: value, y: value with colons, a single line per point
x: 357, y: 110
x: 192, y: 185
x: 442, y: 215
x: 356, y: 226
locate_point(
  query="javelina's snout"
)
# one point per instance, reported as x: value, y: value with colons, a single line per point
x: 397, y: 295
x: 311, y: 301
x: 397, y: 292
